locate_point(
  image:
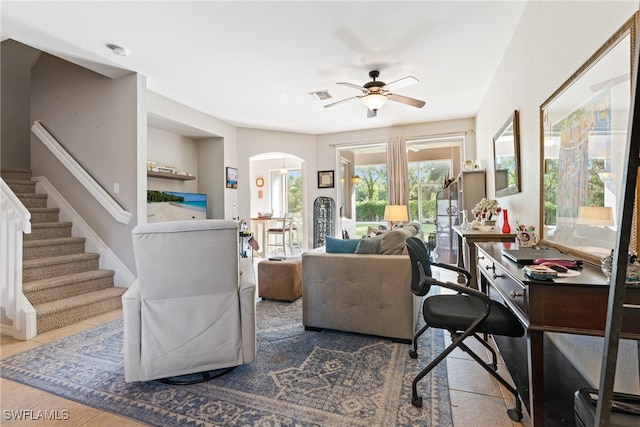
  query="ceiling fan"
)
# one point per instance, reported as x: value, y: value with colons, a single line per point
x: 375, y: 93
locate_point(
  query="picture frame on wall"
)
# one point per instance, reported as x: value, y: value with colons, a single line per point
x: 325, y: 179
x: 232, y: 177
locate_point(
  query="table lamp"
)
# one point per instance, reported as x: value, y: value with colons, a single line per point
x: 395, y: 214
x: 595, y: 215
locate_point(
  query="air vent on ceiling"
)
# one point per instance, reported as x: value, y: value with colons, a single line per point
x: 321, y: 95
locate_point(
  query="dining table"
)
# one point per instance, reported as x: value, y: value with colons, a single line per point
x: 259, y: 226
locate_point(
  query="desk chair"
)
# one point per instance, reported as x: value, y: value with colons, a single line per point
x: 467, y: 313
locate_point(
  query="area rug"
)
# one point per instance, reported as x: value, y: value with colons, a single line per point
x: 300, y: 378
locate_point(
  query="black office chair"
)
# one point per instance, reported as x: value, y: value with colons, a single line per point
x: 467, y: 313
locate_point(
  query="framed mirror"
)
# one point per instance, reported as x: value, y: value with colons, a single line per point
x: 583, y: 129
x: 506, y: 157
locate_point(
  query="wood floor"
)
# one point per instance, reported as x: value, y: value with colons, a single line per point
x: 476, y: 398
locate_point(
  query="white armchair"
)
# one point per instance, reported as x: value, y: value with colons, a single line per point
x: 192, y: 307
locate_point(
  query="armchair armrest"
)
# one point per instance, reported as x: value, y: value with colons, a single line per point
x: 247, y: 293
x: 132, y: 331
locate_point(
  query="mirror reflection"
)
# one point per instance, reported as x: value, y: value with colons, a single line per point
x: 583, y: 141
x: 506, y: 149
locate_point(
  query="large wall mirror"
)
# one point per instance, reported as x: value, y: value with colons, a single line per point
x: 506, y: 155
x: 583, y: 128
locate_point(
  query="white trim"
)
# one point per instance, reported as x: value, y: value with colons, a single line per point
x: 108, y: 259
x: 99, y: 193
x: 15, y: 220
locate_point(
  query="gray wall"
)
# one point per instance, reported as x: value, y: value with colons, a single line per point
x: 16, y: 61
x: 96, y: 118
x: 552, y: 40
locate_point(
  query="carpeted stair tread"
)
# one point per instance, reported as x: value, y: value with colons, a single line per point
x: 46, y: 230
x: 63, y: 312
x: 44, y: 215
x: 53, y: 241
x: 78, y: 300
x: 33, y: 200
x: 15, y: 173
x: 54, y: 282
x: 36, y: 269
x: 63, y: 259
x: 21, y: 186
x: 42, y: 248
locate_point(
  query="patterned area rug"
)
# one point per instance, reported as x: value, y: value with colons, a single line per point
x: 300, y: 378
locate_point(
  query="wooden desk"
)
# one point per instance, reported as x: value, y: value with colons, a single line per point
x: 573, y: 305
x: 467, y: 239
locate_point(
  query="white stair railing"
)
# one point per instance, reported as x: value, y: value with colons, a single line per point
x: 99, y: 193
x: 15, y: 220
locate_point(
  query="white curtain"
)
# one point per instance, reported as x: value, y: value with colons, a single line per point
x: 397, y: 171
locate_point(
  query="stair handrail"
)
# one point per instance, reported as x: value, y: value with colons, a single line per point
x: 80, y: 173
x: 15, y: 219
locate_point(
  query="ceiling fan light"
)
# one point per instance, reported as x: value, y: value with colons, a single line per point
x: 374, y: 102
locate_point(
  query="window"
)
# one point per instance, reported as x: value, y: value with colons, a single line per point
x: 286, y: 192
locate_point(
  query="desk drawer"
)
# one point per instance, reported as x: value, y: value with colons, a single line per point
x: 513, y: 292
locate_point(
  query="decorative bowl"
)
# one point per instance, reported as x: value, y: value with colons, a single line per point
x: 485, y: 228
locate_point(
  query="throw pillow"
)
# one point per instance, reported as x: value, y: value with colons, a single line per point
x: 393, y: 242
x: 369, y: 245
x: 341, y: 246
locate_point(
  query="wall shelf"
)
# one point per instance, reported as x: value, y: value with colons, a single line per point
x: 167, y: 175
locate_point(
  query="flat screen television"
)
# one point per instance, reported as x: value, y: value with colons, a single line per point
x: 175, y: 205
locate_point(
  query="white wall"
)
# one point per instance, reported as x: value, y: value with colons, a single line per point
x: 96, y: 119
x: 168, y: 148
x: 552, y: 40
x: 216, y: 150
x: 17, y: 60
x: 252, y: 142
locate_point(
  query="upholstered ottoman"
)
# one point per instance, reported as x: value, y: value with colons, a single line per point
x: 280, y: 280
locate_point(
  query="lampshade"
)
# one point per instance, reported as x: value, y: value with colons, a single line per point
x: 595, y: 215
x: 355, y: 179
x: 396, y: 213
x: 374, y: 101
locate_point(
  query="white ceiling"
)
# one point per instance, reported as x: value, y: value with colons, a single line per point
x: 252, y: 64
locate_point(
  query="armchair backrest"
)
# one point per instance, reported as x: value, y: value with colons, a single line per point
x: 186, y: 258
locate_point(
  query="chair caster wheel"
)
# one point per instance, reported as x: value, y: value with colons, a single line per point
x: 515, y: 414
x: 416, y: 401
x: 413, y: 354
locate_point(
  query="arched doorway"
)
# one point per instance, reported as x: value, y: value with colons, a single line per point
x: 277, y: 190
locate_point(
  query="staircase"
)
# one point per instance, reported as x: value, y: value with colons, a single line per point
x: 63, y: 282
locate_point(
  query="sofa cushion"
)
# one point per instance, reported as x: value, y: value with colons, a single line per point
x: 393, y: 242
x: 369, y: 245
x: 341, y: 246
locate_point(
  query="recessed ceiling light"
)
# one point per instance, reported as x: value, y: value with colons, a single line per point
x: 118, y: 50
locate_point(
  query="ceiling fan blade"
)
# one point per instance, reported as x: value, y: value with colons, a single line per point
x: 406, y: 100
x: 371, y: 113
x: 355, y: 86
x: 340, y: 102
x: 403, y: 82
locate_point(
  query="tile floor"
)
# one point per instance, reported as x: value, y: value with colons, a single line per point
x: 476, y: 398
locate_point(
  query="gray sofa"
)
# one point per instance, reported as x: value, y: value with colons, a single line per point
x: 359, y: 292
